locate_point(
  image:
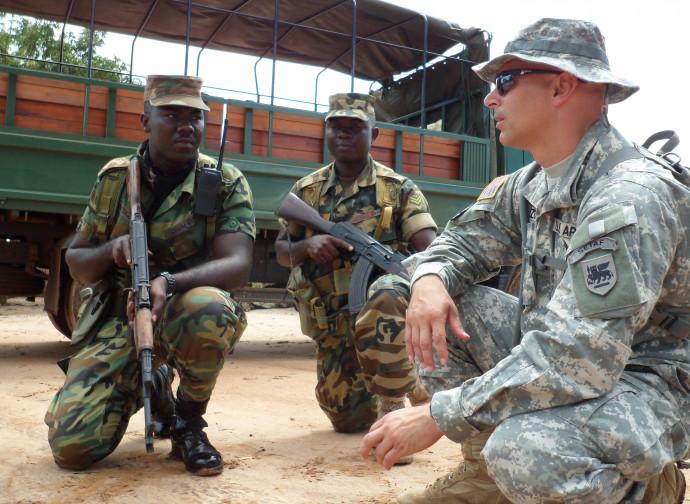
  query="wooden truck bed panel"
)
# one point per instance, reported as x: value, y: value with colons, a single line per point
x: 277, y: 145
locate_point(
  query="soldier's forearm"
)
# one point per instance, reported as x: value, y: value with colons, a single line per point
x: 90, y: 264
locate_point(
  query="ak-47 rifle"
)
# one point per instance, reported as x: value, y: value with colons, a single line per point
x: 141, y: 287
x: 371, y: 252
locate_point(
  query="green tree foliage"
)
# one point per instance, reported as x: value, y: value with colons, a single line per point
x: 33, y: 43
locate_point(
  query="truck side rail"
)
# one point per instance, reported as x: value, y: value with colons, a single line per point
x: 62, y: 128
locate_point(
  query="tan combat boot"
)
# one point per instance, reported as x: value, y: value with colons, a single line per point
x: 665, y: 488
x: 469, y: 483
x: 385, y: 405
x: 418, y: 395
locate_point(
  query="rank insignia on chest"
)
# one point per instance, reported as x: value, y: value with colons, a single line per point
x: 490, y: 191
x: 600, y: 274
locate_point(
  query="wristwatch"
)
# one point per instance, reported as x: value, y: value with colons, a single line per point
x: 170, y: 290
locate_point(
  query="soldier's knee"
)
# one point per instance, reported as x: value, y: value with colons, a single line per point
x: 350, y: 421
x: 389, y: 287
x: 531, y: 469
x: 73, y: 456
x: 348, y: 410
x: 211, y: 313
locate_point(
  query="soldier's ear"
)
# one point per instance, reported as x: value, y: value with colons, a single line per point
x: 374, y: 133
x: 144, y: 119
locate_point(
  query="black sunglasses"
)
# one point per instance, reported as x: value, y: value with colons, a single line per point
x: 506, y: 80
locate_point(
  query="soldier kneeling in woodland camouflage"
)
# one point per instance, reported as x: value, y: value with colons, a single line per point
x: 196, y: 260
x: 362, y: 369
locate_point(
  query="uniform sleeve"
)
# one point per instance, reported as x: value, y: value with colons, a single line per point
x: 237, y: 214
x: 104, y: 217
x: 296, y: 230
x: 414, y: 211
x: 476, y: 242
x: 617, y: 263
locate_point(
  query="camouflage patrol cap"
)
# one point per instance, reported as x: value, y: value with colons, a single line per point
x: 571, y: 45
x: 357, y: 105
x: 181, y: 90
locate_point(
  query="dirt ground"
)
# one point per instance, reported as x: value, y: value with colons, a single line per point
x: 277, y: 445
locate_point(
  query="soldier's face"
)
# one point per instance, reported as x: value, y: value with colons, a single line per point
x: 174, y: 135
x: 522, y: 114
x: 349, y: 138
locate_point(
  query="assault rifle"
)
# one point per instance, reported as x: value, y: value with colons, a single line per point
x: 371, y: 252
x: 141, y: 287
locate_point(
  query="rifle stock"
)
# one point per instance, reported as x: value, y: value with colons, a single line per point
x: 371, y: 252
x: 141, y: 287
x: 294, y: 209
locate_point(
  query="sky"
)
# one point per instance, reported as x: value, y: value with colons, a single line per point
x: 646, y: 42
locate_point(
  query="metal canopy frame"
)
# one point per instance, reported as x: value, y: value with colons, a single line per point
x: 368, y: 39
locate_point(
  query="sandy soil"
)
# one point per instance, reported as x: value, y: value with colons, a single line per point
x: 277, y: 445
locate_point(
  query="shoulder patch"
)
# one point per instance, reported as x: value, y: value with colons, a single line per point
x: 116, y: 163
x: 490, y: 191
x: 318, y: 176
x: 383, y: 171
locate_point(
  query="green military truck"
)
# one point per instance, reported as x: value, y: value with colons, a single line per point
x: 57, y: 130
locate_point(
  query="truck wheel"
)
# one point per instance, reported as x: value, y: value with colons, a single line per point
x: 66, y: 317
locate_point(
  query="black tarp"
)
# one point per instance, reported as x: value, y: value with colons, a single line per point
x: 390, y: 38
x: 390, y: 41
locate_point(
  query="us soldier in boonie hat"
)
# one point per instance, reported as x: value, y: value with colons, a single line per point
x: 571, y: 45
x: 357, y: 105
x: 180, y: 90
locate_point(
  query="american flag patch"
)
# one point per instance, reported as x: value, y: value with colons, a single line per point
x: 491, y: 190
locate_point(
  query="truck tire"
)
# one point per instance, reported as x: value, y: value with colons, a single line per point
x: 70, y: 300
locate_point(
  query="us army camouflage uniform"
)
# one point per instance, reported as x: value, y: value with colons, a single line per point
x: 594, y: 400
x: 351, y: 367
x: 89, y: 415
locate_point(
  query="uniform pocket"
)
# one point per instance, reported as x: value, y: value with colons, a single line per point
x: 604, y: 275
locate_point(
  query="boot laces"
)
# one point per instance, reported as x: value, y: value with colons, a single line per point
x: 464, y: 470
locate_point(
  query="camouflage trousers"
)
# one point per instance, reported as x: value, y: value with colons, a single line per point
x: 89, y: 415
x: 598, y: 451
x: 358, y: 360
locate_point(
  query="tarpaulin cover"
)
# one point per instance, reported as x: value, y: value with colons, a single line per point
x: 391, y: 38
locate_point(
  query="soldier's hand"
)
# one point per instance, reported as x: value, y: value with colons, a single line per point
x: 431, y: 307
x: 158, y: 292
x: 399, y: 433
x: 121, y: 251
x: 159, y: 296
x: 324, y: 248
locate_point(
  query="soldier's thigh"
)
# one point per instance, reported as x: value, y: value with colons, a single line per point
x: 592, y: 451
x: 200, y: 324
x: 488, y: 316
x: 89, y: 415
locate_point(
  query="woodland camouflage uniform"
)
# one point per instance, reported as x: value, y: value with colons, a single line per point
x: 198, y: 328
x: 355, y: 365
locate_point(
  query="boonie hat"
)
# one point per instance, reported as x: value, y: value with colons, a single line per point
x: 181, y: 90
x: 357, y: 105
x: 571, y: 45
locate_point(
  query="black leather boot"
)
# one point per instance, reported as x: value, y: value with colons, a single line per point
x: 189, y: 441
x: 162, y: 402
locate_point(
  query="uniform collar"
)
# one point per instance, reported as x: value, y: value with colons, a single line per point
x: 569, y: 190
x: 365, y: 178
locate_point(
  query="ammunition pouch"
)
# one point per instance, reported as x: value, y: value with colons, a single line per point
x: 95, y: 306
x: 312, y: 311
